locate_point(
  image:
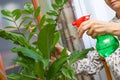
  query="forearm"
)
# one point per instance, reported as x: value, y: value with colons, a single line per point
x: 114, y: 28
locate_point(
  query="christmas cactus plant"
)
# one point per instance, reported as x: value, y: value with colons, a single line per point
x: 34, y: 57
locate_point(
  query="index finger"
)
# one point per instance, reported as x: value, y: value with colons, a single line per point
x: 83, y: 27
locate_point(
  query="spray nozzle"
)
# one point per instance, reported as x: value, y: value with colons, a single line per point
x: 80, y: 20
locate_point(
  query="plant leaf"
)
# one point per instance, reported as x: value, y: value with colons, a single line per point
x: 56, y: 38
x: 16, y: 13
x: 25, y: 12
x: 32, y: 33
x: 55, y: 67
x: 13, y: 76
x: 6, y: 13
x: 59, y: 1
x: 65, y: 1
x: 7, y: 19
x: 77, y: 55
x: 16, y: 38
x: 24, y: 19
x: 64, y: 52
x: 10, y: 27
x: 50, y: 21
x: 37, y: 12
x: 28, y: 53
x: 29, y: 7
x: 69, y: 73
x: 27, y: 26
x: 55, y: 6
x: 42, y: 21
x: 52, y: 13
x: 38, y: 69
x: 27, y: 77
x: 21, y: 63
x: 45, y: 40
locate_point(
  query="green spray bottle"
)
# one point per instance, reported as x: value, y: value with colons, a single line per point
x: 106, y: 44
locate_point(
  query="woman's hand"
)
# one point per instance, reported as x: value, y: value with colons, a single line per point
x: 95, y: 28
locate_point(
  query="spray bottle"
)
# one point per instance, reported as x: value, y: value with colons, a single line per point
x: 106, y: 44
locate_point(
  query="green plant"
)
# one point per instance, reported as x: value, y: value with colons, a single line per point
x: 34, y: 56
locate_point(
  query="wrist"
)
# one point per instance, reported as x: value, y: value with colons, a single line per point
x: 114, y: 28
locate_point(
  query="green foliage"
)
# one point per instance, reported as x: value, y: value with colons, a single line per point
x: 28, y: 8
x: 6, y: 13
x: 37, y: 11
x: 34, y: 59
x: 17, y: 13
x: 76, y: 55
x: 55, y: 67
x: 45, y: 40
x: 16, y: 38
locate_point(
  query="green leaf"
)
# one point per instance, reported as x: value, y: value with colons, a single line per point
x: 38, y: 69
x: 26, y: 12
x: 27, y: 26
x: 16, y: 38
x: 50, y: 21
x: 27, y: 18
x: 46, y: 63
x: 29, y: 7
x: 28, y: 53
x: 27, y: 77
x: 55, y: 6
x: 32, y: 33
x: 56, y: 38
x: 13, y: 76
x: 52, y: 13
x: 37, y: 12
x: 10, y: 27
x: 55, y: 67
x: 59, y: 1
x: 23, y: 20
x: 65, y: 1
x: 77, y: 55
x: 8, y: 19
x: 16, y: 14
x: 69, y: 73
x: 21, y: 63
x: 45, y: 39
x: 64, y: 52
x: 6, y: 13
x: 42, y: 21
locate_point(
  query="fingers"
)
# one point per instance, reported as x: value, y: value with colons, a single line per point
x: 83, y: 27
x: 93, y: 28
x: 90, y: 31
x: 94, y: 35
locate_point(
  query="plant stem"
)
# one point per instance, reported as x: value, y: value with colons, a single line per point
x: 59, y: 12
x: 18, y: 27
x: 35, y: 21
